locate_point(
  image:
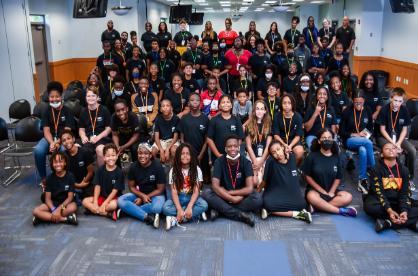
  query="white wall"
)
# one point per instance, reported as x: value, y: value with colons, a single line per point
x: 15, y: 55
x: 156, y: 11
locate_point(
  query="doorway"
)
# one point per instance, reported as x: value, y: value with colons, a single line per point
x: 40, y: 54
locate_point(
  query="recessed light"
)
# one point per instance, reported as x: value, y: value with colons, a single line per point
x: 297, y: 0
x: 224, y: 2
x: 203, y: 4
x: 317, y: 2
x: 271, y: 2
x: 225, y: 5
x: 199, y: 1
x: 226, y: 9
x: 265, y: 5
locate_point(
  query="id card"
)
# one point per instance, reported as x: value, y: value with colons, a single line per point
x: 260, y: 150
x: 394, y: 136
x: 238, y: 65
x: 194, y: 71
x: 367, y: 133
x: 93, y: 136
x: 183, y: 42
x: 55, y: 139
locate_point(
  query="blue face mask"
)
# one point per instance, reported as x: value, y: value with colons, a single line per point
x: 135, y: 74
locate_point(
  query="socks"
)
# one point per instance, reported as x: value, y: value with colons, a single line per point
x: 295, y: 214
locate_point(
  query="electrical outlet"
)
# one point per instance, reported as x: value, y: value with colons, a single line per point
x: 406, y: 81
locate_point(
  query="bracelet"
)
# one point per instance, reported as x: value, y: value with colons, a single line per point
x: 53, y: 209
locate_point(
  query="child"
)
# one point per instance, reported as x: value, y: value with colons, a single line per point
x: 178, y: 95
x: 185, y: 179
x: 59, y: 194
x: 210, y: 98
x: 339, y: 99
x: 258, y: 138
x: 273, y: 99
x: 165, y: 133
x: 109, y: 185
x: 242, y: 106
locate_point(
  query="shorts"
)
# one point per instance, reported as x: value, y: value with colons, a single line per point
x: 164, y: 143
x: 102, y: 199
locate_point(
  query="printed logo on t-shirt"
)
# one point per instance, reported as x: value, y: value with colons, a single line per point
x: 63, y: 118
x: 152, y: 178
x: 173, y: 129
x: 401, y: 121
x: 233, y: 128
x: 81, y: 163
x: 238, y: 175
x: 366, y: 120
x: 99, y: 119
x: 375, y: 99
x: 341, y: 102
x: 294, y: 173
x: 113, y: 181
x: 67, y: 187
x: 335, y: 168
x: 201, y: 127
x: 329, y: 116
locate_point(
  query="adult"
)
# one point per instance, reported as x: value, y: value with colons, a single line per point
x: 291, y: 36
x: 148, y: 36
x: 209, y: 34
x: 228, y: 34
x: 182, y: 37
x: 327, y: 31
x: 310, y: 32
x: 272, y: 37
x: 252, y: 30
x: 302, y: 53
x: 258, y: 61
x: 107, y: 60
x: 163, y: 35
x: 110, y: 34
x: 346, y: 35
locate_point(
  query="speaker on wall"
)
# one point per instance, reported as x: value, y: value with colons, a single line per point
x: 89, y: 8
x: 402, y: 6
x: 180, y: 12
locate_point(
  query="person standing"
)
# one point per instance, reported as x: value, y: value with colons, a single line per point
x: 346, y: 35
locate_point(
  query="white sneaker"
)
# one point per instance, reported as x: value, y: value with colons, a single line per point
x: 412, y: 185
x: 170, y: 222
x: 156, y: 223
x: 264, y: 214
x: 204, y: 216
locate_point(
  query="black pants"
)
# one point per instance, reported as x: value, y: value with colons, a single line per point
x: 410, y: 153
x: 252, y: 202
x: 373, y: 208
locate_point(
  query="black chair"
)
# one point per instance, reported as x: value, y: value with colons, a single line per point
x: 412, y: 106
x: 39, y: 109
x: 19, y: 110
x: 4, y: 135
x: 381, y: 77
x: 27, y: 130
x: 413, y: 132
x: 74, y: 106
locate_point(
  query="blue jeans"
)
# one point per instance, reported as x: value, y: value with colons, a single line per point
x: 127, y: 205
x: 308, y: 140
x: 40, y: 153
x: 366, y: 155
x: 200, y: 206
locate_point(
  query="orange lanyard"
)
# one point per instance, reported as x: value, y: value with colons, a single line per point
x: 133, y: 86
x: 359, y: 120
x: 93, y: 124
x: 396, y: 119
x: 56, y: 121
x: 259, y: 136
x: 287, y: 131
x: 323, y: 119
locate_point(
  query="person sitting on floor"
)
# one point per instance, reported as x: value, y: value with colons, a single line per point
x: 388, y: 200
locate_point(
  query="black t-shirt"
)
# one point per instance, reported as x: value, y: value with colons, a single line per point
x: 215, y: 61
x: 102, y: 120
x: 221, y: 172
x: 292, y: 37
x: 293, y: 127
x: 330, y: 119
x: 258, y: 63
x: 104, y: 61
x: 192, y: 85
x: 348, y: 125
x: 156, y: 85
x: 323, y: 169
x: 289, y: 85
x: 387, y: 117
x: 272, y: 38
x: 110, y: 36
x: 219, y: 129
x: 326, y: 54
x: 194, y: 130
x: 78, y: 163
x: 178, y: 100
x: 167, y: 68
x: 64, y: 119
x: 146, y: 39
x: 163, y: 39
x: 59, y: 187
x: 258, y: 145
x: 338, y: 101
x: 109, y: 180
x: 345, y: 36
x: 124, y: 131
x: 262, y: 85
x: 174, y: 56
x: 372, y: 100
x: 336, y: 65
x: 280, y: 61
x: 194, y: 57
x: 166, y: 128
x: 152, y: 56
x: 330, y: 33
x: 246, y: 84
x: 145, y: 104
x: 181, y: 38
x: 302, y: 104
x: 138, y: 63
x: 273, y: 106
x: 147, y: 178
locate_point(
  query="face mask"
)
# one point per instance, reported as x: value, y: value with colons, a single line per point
x: 55, y: 104
x: 268, y: 75
x: 118, y: 92
x: 290, y: 55
x: 135, y: 74
x: 304, y: 88
x: 327, y: 144
x: 222, y: 45
x: 232, y: 158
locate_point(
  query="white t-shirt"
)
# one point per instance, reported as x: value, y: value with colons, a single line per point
x: 186, y: 185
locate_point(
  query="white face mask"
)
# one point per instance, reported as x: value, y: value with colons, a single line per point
x: 55, y: 104
x: 269, y: 75
x: 118, y: 92
x: 222, y: 45
x: 232, y: 158
x: 304, y: 88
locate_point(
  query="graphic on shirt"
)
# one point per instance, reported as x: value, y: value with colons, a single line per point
x: 392, y: 183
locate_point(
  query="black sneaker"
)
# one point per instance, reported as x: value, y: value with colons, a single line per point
x: 414, y: 227
x: 213, y: 214
x: 35, y: 221
x: 382, y: 224
x: 72, y: 219
x: 246, y: 218
x: 351, y: 166
x: 149, y: 219
x: 363, y: 186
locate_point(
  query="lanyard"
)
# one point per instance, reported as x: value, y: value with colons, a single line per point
x: 93, y: 124
x: 133, y: 86
x: 144, y: 104
x: 324, y: 118
x: 238, y: 56
x: 293, y: 35
x: 233, y: 181
x: 110, y: 86
x: 162, y: 67
x: 215, y: 62
x: 272, y: 107
x: 56, y: 122
x: 259, y: 136
x: 344, y: 84
x: 338, y: 63
x: 273, y: 37
x: 290, y: 61
x: 287, y: 130
x: 396, y: 119
x: 397, y: 170
x: 182, y: 35
x: 310, y: 34
x: 193, y: 56
x: 359, y: 120
x: 245, y: 84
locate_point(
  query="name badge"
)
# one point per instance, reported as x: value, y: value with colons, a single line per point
x: 194, y: 71
x: 394, y: 136
x: 183, y: 42
x: 260, y: 150
x: 238, y: 65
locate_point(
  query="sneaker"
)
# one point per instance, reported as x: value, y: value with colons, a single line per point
x: 156, y: 223
x: 204, y: 216
x: 348, y: 211
x: 264, y: 214
x: 149, y: 219
x: 382, y: 224
x: 213, y: 214
x: 35, y: 221
x: 412, y: 185
x: 72, y: 219
x: 311, y: 209
x: 305, y: 216
x: 363, y: 186
x: 246, y: 218
x: 170, y: 222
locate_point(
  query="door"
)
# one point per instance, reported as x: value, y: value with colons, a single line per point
x: 353, y: 26
x: 41, y: 57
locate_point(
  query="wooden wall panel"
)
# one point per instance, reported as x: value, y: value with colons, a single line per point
x: 68, y: 70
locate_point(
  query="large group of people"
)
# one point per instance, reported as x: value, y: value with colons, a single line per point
x: 225, y: 124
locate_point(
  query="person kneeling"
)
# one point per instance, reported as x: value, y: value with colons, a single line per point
x: 388, y: 199
x: 323, y: 173
x: 185, y: 179
x: 109, y: 184
x: 59, y: 205
x: 232, y: 193
x: 282, y: 195
x: 146, y: 180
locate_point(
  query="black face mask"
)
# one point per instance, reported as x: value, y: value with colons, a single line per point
x: 327, y: 144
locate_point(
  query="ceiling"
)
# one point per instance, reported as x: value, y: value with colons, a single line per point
x: 241, y: 6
